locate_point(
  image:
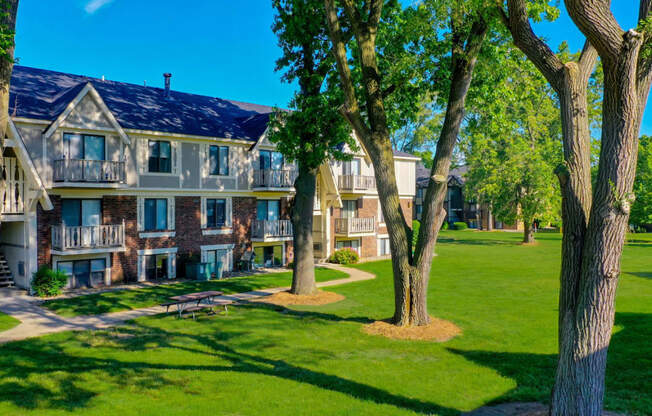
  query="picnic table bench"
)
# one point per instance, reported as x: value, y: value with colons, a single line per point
x: 184, y: 303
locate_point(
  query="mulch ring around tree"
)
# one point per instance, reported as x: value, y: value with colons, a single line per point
x: 287, y: 298
x: 519, y: 409
x: 438, y: 330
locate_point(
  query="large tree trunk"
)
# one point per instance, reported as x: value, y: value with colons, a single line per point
x: 528, y: 232
x: 411, y: 274
x: 8, y: 23
x: 303, y: 276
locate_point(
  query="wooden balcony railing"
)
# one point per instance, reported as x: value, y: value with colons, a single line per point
x: 274, y: 178
x: 357, y: 182
x: 79, y: 170
x: 271, y: 229
x: 88, y: 237
x: 348, y: 226
x: 12, y: 186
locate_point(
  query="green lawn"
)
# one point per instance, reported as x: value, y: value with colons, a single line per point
x: 316, y: 361
x: 7, y: 322
x: 121, y: 300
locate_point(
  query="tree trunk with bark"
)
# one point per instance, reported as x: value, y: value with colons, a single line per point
x: 528, y: 232
x: 594, y: 222
x: 490, y: 220
x: 303, y: 276
x: 411, y: 272
x: 8, y: 24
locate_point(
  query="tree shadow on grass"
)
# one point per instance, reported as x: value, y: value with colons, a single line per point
x: 645, y: 275
x: 40, y: 374
x: 628, y: 370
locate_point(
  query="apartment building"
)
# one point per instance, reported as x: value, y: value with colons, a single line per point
x: 113, y: 182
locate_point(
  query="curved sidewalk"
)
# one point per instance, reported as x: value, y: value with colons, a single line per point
x: 37, y: 321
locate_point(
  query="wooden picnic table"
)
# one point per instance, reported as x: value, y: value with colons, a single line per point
x: 182, y: 301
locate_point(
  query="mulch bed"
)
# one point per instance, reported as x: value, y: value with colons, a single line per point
x: 438, y: 330
x: 287, y: 298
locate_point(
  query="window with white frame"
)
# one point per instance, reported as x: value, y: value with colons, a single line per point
x: 156, y: 214
x: 159, y: 156
x: 218, y: 253
x: 350, y: 244
x: 219, y: 160
x: 216, y: 213
x: 154, y: 264
x: 383, y: 247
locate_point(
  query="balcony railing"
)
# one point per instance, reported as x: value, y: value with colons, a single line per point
x: 348, y: 226
x: 12, y: 186
x: 357, y: 182
x: 262, y: 229
x: 88, y: 237
x: 79, y: 170
x: 274, y: 178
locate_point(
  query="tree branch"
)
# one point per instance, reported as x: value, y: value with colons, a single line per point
x: 375, y: 11
x: 587, y: 60
x: 350, y: 109
x: 644, y: 10
x: 528, y: 42
x: 595, y: 20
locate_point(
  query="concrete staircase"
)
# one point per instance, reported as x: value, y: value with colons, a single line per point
x: 6, y: 279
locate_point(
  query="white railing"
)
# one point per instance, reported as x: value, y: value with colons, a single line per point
x: 79, y: 170
x: 273, y: 228
x: 274, y: 178
x: 12, y: 186
x: 355, y: 225
x: 85, y: 237
x: 357, y: 182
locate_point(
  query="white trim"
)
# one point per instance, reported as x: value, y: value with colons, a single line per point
x: 26, y: 120
x: 73, y: 252
x: 152, y: 251
x: 157, y: 234
x: 88, y: 88
x: 221, y: 231
x: 189, y: 136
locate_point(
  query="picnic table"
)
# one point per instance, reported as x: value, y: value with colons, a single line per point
x: 193, y: 302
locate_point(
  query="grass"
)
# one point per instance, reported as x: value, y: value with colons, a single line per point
x: 121, y: 300
x: 315, y: 360
x: 7, y: 322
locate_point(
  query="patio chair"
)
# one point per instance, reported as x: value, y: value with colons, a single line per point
x: 246, y: 262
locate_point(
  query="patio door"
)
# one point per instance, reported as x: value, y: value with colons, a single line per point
x: 349, y: 208
x: 268, y: 210
x: 84, y: 273
x: 351, y: 167
x: 268, y: 256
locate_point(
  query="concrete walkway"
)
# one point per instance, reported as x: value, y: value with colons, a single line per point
x: 37, y: 321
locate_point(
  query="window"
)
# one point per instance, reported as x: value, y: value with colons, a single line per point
x: 268, y: 256
x: 352, y: 244
x: 83, y: 146
x: 81, y: 212
x: 84, y: 273
x: 383, y: 247
x: 159, y: 156
x: 214, y: 256
x: 271, y: 160
x: 219, y: 160
x: 156, y: 214
x: 268, y: 210
x: 419, y: 209
x: 381, y: 217
x: 349, y: 208
x: 156, y: 266
x: 420, y: 192
x: 352, y: 167
x: 215, y: 213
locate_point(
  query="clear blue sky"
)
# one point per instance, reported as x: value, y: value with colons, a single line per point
x: 221, y: 48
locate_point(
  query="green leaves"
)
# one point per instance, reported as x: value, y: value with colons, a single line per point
x: 641, y: 212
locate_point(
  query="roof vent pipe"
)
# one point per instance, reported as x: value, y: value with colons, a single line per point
x: 167, y: 77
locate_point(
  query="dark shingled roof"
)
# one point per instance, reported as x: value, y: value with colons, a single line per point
x: 404, y: 154
x: 42, y: 94
x: 423, y: 175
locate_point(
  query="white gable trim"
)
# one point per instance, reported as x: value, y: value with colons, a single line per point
x: 88, y: 89
x: 28, y: 165
x: 260, y: 140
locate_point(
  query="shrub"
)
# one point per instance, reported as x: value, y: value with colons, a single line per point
x: 460, y: 226
x: 344, y: 256
x: 47, y: 282
x: 444, y: 225
x: 415, y: 232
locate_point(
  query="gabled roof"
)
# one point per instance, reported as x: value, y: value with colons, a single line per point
x: 44, y: 95
x: 455, y: 175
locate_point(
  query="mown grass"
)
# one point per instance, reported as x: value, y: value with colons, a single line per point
x: 7, y: 322
x: 121, y: 300
x: 315, y: 360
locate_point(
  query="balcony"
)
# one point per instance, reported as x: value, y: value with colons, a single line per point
x: 355, y: 226
x: 356, y: 183
x: 89, y: 171
x: 274, y: 178
x: 271, y: 230
x: 88, y: 239
x: 12, y: 188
